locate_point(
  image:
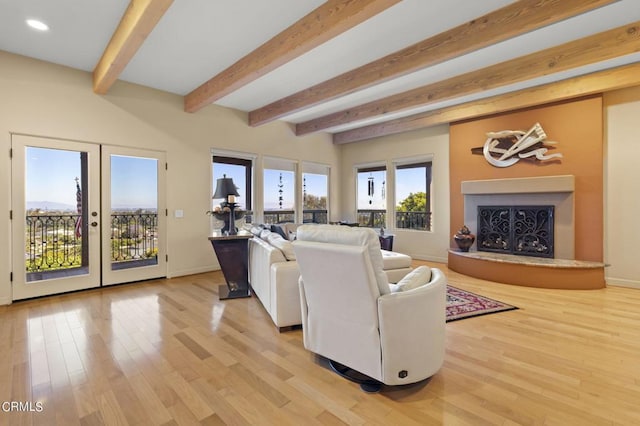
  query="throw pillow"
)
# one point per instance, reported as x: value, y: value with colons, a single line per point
x: 278, y: 229
x: 414, y: 279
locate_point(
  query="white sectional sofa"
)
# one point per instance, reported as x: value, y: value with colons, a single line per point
x: 274, y: 274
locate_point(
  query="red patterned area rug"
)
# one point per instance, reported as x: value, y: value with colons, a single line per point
x: 463, y: 304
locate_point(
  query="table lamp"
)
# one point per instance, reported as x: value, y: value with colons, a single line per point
x: 226, y: 189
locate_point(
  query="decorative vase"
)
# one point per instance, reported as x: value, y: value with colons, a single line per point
x: 464, y: 238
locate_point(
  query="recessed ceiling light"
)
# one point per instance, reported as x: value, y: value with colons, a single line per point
x: 38, y: 25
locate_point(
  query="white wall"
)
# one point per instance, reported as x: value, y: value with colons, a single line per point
x: 434, y: 141
x: 622, y: 192
x: 43, y: 99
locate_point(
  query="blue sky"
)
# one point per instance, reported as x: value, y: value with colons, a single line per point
x: 51, y: 174
x: 134, y: 182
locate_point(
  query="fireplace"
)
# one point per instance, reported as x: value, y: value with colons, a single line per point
x: 556, y: 191
x: 520, y: 230
x: 561, y: 271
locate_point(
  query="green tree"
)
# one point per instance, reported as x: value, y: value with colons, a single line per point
x: 313, y: 202
x: 413, y: 203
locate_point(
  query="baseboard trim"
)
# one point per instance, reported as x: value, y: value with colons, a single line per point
x: 621, y: 282
x: 192, y: 271
x: 5, y: 300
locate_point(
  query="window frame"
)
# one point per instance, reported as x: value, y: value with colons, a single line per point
x: 238, y: 161
x: 280, y: 165
x: 408, y: 164
x: 319, y: 170
x: 372, y: 222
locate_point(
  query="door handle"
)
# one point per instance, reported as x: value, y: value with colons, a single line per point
x: 94, y: 224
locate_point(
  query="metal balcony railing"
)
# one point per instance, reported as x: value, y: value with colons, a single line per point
x: 314, y: 216
x: 372, y: 218
x: 404, y: 220
x: 413, y: 220
x: 308, y: 216
x: 53, y: 242
x: 134, y: 236
x: 278, y: 216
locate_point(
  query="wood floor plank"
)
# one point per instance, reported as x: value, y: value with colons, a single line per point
x: 170, y: 352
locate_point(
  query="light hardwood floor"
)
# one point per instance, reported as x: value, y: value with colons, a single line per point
x: 169, y: 352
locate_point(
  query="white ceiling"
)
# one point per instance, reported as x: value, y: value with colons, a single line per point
x: 197, y: 39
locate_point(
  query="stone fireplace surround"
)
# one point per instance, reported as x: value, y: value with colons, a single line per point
x: 554, y: 191
x: 561, y: 272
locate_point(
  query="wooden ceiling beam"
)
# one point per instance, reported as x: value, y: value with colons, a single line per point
x: 136, y: 24
x: 325, y: 22
x: 588, y: 84
x: 596, y: 48
x: 508, y: 22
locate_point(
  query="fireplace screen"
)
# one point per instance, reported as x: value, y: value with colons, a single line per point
x: 522, y: 230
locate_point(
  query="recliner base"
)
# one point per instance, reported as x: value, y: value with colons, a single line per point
x: 366, y: 383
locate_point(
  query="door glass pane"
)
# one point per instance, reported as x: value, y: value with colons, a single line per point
x: 56, y: 224
x: 134, y: 212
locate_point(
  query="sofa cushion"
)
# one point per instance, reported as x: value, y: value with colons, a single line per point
x: 419, y: 276
x: 394, y: 260
x: 265, y: 234
x: 285, y: 246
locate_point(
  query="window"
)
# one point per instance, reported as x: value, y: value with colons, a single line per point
x: 372, y: 203
x: 238, y: 169
x: 315, y: 190
x: 413, y: 196
x: 279, y: 191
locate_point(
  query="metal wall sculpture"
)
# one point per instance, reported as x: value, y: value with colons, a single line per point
x: 507, y: 147
x: 521, y: 230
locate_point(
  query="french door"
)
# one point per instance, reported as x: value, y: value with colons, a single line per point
x: 84, y: 215
x: 134, y: 215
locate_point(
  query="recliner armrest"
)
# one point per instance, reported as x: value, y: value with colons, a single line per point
x: 414, y: 279
x: 413, y: 320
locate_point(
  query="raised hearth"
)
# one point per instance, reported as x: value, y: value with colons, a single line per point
x: 529, y: 271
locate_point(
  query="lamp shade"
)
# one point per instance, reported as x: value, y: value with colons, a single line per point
x: 225, y: 187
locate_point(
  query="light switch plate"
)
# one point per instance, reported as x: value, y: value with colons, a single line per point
x: 178, y: 214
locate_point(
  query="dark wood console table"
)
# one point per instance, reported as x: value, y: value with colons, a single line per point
x: 233, y: 255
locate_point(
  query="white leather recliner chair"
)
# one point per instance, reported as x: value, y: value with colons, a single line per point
x: 392, y: 333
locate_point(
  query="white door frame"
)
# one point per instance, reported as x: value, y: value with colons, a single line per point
x: 22, y: 289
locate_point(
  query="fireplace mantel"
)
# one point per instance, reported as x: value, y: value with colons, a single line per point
x: 527, y: 185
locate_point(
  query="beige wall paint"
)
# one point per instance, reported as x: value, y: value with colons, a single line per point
x: 44, y: 99
x: 433, y: 141
x: 622, y: 197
